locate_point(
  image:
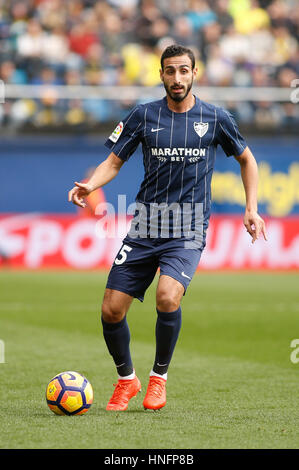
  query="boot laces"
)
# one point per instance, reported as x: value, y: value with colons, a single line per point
x: 156, y: 388
x: 120, y: 392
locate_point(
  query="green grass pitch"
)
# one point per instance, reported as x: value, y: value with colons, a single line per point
x: 231, y: 383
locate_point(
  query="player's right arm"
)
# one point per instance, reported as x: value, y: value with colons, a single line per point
x: 122, y: 144
x: 105, y: 172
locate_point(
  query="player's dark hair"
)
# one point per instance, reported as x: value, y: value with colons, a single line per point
x: 176, y: 50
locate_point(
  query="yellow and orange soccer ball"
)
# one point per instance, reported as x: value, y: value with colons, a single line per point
x: 69, y: 393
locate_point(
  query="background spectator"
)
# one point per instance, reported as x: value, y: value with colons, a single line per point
x: 119, y: 42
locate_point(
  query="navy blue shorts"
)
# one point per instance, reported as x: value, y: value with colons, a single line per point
x: 136, y: 264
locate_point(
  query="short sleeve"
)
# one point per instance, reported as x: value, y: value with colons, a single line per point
x: 229, y: 137
x: 127, y: 135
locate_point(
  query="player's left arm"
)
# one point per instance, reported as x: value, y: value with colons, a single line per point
x: 254, y: 224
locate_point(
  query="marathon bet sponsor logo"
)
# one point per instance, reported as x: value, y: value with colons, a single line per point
x: 178, y: 153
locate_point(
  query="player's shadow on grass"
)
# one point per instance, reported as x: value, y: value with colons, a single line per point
x: 146, y: 412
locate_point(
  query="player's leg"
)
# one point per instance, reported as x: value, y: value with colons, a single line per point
x: 116, y: 330
x: 129, y: 277
x: 177, y: 266
x: 117, y: 336
x: 168, y: 298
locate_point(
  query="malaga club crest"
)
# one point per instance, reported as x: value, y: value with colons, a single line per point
x: 201, y: 128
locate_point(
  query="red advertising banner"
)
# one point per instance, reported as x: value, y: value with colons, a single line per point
x: 36, y: 241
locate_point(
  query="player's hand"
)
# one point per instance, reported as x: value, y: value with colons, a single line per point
x: 255, y: 225
x: 78, y: 193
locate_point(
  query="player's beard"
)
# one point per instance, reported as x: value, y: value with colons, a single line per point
x: 178, y: 97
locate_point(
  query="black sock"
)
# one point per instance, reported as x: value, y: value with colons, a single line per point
x: 117, y: 337
x: 167, y: 331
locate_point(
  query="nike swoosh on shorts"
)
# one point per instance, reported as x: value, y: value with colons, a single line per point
x: 185, y: 275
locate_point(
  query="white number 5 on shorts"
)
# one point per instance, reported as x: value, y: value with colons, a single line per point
x: 123, y: 254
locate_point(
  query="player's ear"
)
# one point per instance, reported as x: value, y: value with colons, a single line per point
x: 195, y: 70
x: 161, y: 74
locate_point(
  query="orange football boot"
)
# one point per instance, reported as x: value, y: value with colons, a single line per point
x: 155, y: 397
x: 124, y: 391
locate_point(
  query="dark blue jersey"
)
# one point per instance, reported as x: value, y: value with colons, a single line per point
x: 179, y: 152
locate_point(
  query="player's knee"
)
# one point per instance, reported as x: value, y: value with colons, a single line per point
x: 167, y: 302
x: 112, y: 313
x: 115, y: 305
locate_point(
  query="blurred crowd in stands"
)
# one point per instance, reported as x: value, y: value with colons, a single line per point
x: 119, y: 42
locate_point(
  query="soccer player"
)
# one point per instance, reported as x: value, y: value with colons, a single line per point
x: 179, y: 135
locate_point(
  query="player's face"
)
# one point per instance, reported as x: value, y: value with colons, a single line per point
x: 177, y: 76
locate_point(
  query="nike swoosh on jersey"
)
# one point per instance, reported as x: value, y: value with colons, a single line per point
x: 159, y: 129
x: 185, y: 275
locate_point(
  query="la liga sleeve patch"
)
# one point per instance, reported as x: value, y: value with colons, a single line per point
x: 117, y: 132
